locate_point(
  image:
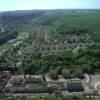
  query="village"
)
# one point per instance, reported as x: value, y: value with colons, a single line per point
x: 48, y: 63
x: 46, y: 41
x: 51, y: 83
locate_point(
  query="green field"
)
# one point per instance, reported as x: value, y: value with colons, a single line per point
x: 4, y: 47
x: 23, y: 35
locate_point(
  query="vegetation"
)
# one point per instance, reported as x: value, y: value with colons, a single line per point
x: 54, y: 42
x: 50, y: 98
x: 59, y: 25
x: 23, y: 35
x: 53, y: 74
x: 66, y: 73
x: 87, y: 59
x: 4, y: 47
x: 5, y: 36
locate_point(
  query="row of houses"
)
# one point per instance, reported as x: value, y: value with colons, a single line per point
x: 36, y: 84
x: 69, y: 41
x: 19, y: 79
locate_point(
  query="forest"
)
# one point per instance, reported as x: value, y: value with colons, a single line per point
x: 5, y: 36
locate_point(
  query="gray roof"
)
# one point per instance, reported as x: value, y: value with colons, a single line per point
x: 33, y: 80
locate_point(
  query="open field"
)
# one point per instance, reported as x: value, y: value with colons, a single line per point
x: 4, y: 47
x: 23, y: 35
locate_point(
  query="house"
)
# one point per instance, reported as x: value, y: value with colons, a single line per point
x: 33, y: 80
x: 75, y: 86
x: 56, y: 85
x: 16, y: 80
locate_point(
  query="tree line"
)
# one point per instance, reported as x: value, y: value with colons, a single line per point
x: 5, y: 36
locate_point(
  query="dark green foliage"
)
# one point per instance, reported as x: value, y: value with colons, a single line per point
x: 86, y: 59
x: 5, y: 36
x: 19, y: 17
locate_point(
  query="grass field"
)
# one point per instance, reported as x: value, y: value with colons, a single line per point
x: 23, y: 35
x: 4, y: 47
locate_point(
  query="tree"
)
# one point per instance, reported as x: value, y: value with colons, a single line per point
x: 79, y: 73
x: 66, y: 73
x: 53, y: 74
